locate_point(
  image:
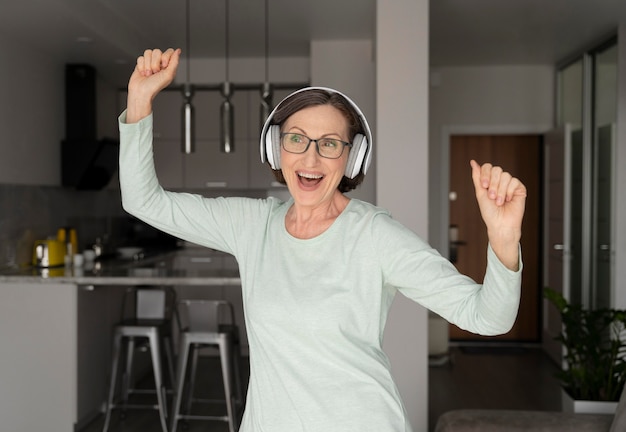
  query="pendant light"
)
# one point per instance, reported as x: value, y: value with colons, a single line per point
x: 188, y: 111
x: 266, y: 87
x: 227, y: 113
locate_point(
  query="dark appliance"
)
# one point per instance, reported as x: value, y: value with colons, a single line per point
x: 87, y: 163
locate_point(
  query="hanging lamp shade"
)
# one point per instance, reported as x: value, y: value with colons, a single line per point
x: 188, y: 121
x: 266, y: 87
x: 266, y: 101
x: 227, y: 114
x: 188, y: 112
x: 227, y: 123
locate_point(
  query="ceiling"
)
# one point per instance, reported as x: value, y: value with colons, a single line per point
x: 111, y: 33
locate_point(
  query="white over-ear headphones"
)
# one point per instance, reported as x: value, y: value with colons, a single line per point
x: 360, y: 155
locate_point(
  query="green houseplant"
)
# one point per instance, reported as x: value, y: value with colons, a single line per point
x: 594, y: 366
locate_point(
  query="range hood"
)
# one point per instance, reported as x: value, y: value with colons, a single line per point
x: 87, y: 163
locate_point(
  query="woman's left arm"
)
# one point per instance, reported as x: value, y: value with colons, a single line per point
x: 501, y: 199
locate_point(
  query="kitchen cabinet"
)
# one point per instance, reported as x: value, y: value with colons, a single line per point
x: 56, y: 341
x: 38, y: 362
x: 260, y: 174
x: 98, y: 310
x: 169, y: 162
x: 208, y: 167
x: 195, y: 259
x: 167, y: 109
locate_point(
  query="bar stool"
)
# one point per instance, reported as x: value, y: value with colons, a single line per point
x: 207, y: 326
x: 151, y: 328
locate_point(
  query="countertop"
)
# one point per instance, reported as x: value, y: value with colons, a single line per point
x: 159, y: 269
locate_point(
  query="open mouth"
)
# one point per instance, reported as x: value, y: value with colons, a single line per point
x: 309, y: 179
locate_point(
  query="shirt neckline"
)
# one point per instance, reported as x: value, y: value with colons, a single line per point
x: 321, y: 236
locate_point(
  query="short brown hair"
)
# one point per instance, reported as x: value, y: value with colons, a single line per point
x: 315, y: 97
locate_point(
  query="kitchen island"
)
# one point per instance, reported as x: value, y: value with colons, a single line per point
x: 56, y: 330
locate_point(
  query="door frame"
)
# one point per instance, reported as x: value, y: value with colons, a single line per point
x: 447, y: 131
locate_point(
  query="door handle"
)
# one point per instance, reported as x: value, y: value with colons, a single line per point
x: 454, y: 242
x: 558, y: 247
x: 201, y: 259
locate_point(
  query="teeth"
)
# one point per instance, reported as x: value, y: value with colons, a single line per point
x: 310, y: 176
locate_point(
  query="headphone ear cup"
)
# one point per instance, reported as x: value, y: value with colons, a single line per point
x: 356, y: 156
x: 272, y: 146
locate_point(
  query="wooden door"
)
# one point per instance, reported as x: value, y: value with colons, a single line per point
x: 520, y: 155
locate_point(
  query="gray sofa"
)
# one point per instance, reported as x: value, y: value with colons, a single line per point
x: 536, y: 421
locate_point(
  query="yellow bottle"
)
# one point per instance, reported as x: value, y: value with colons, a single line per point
x: 62, y: 237
x: 69, y: 237
x: 73, y: 241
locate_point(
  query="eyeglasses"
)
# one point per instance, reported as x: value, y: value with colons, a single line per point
x: 330, y: 148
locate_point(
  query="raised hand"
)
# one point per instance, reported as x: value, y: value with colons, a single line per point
x: 502, y: 200
x: 154, y: 71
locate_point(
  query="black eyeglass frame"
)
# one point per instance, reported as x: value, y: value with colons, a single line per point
x: 316, y: 141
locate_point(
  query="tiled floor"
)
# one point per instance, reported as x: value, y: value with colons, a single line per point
x: 504, y: 378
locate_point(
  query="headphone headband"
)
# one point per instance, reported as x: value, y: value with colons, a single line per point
x: 362, y: 145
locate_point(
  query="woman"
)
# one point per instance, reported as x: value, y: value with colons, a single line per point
x: 320, y: 271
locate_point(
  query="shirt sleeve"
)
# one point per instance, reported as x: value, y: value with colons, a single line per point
x: 419, y: 272
x: 191, y: 217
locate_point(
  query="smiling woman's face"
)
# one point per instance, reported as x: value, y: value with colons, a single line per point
x: 312, y: 179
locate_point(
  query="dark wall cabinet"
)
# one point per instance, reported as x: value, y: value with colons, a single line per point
x: 208, y: 167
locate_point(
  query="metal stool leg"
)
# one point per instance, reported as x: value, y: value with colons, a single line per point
x: 117, y: 345
x: 194, y: 349
x: 156, y: 366
x: 168, y: 347
x: 237, y: 370
x: 181, y: 369
x: 128, y: 368
x: 225, y: 345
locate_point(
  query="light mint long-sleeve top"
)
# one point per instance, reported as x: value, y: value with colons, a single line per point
x: 315, y: 309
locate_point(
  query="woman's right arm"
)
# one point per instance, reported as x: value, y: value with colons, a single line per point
x: 187, y: 216
x: 142, y: 194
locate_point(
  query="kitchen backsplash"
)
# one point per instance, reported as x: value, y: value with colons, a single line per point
x: 28, y: 213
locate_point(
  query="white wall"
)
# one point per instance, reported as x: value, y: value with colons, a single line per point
x: 402, y: 176
x: 486, y: 99
x: 32, y: 114
x: 353, y: 73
